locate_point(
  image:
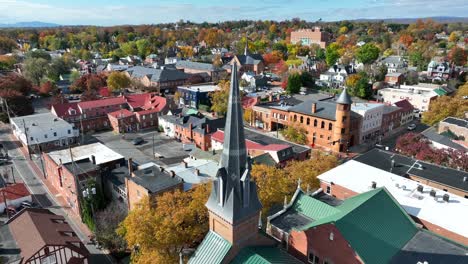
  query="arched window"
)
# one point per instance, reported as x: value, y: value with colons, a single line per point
x: 315, y: 122
x: 295, y: 118
x: 330, y: 126
x: 302, y: 119
x: 322, y: 125
x: 308, y: 121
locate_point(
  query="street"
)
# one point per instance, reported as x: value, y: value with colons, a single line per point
x: 390, y: 141
x: 41, y: 195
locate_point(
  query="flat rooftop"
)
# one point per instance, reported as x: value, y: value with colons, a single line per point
x: 365, y: 106
x: 102, y: 154
x: 405, y: 166
x: 207, y: 170
x: 200, y: 88
x: 358, y: 177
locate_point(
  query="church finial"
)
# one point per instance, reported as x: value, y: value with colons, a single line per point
x: 260, y: 224
x: 299, y: 183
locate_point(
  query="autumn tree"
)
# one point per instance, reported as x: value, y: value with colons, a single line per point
x: 118, y: 81
x: 453, y: 37
x: 47, y: 88
x: 107, y: 221
x: 406, y: 39
x: 161, y: 228
x: 332, y: 54
x: 446, y: 106
x: 6, y: 45
x: 248, y: 115
x: 296, y: 134
x: 7, y: 62
x: 89, y: 82
x: 35, y: 69
x: 15, y: 90
x: 367, y: 53
x: 219, y: 98
x: 458, y: 56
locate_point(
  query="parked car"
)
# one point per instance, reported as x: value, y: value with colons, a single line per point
x: 137, y: 141
x: 411, y: 127
x: 302, y: 93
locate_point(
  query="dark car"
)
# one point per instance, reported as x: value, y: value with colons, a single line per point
x: 137, y: 141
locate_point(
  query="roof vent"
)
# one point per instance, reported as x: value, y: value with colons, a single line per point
x: 420, y: 188
x: 465, y: 179
x: 374, y: 185
x: 446, y: 197
x: 432, y: 193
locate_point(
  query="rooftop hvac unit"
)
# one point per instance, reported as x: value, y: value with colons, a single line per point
x: 446, y: 198
x: 433, y: 193
x: 420, y: 188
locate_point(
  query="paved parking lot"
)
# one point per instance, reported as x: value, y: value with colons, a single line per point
x: 171, y: 151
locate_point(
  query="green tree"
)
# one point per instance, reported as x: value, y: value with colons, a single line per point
x: 219, y: 98
x: 307, y: 79
x: 332, y: 54
x: 35, y: 69
x: 143, y: 47
x: 294, y: 83
x: 118, y: 81
x: 296, y: 134
x: 367, y: 53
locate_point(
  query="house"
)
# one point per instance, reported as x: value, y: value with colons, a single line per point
x: 192, y: 129
x: 370, y: 227
x: 407, y: 111
x: 196, y: 95
x: 394, y: 78
x: 13, y: 195
x: 444, y: 140
x: 248, y: 62
x: 434, y: 209
x: 233, y: 205
x: 42, y: 132
x: 254, y: 81
x: 337, y: 75
x: 455, y: 126
x: 371, y: 116
x: 44, y: 237
x: 420, y: 96
x: 391, y: 119
x: 149, y: 180
x: 395, y: 64
x: 308, y: 37
x: 439, y: 70
x: 161, y: 78
x: 208, y: 71
x: 69, y: 171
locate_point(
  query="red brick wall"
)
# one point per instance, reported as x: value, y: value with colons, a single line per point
x: 317, y: 241
x: 337, y: 191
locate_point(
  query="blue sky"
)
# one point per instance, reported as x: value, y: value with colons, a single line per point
x: 116, y: 12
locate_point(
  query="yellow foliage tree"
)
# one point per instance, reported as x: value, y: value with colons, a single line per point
x: 446, y: 106
x: 248, y: 115
x: 161, y: 228
x: 219, y: 98
x: 453, y: 37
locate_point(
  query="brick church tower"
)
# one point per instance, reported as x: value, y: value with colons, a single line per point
x: 233, y: 205
x: 341, y: 132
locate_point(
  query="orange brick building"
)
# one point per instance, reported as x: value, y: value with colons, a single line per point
x: 310, y: 36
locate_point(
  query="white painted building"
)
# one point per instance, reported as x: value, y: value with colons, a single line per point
x: 420, y: 96
x: 371, y: 114
x: 43, y: 131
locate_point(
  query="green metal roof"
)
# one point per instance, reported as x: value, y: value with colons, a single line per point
x: 212, y: 250
x: 373, y: 223
x: 264, y: 255
x: 313, y: 208
x: 440, y: 91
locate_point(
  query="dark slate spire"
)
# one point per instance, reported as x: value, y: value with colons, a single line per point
x: 344, y: 98
x: 234, y: 195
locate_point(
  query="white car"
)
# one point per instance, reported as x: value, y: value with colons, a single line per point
x: 302, y: 93
x: 411, y: 127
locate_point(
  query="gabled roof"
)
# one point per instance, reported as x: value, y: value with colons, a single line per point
x: 195, y: 65
x: 212, y: 250
x: 102, y: 102
x: 263, y: 255
x: 373, y: 223
x: 157, y: 74
x: 66, y: 110
x: 405, y: 104
x: 122, y: 113
x: 433, y: 136
x: 250, y: 59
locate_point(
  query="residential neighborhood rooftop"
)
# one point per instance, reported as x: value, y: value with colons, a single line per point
x: 101, y: 153
x: 155, y: 179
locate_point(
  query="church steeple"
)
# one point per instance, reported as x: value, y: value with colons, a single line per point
x: 234, y: 196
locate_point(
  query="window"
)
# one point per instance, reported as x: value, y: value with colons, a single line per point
x: 343, y: 119
x: 31, y: 138
x: 322, y: 125
x: 295, y: 118
x: 343, y: 130
x: 302, y: 119
x: 328, y: 190
x: 330, y: 126
x: 45, y: 135
x: 69, y: 131
x: 331, y: 237
x: 315, y: 122
x: 313, y: 259
x: 55, y: 134
x: 51, y: 259
x: 308, y: 121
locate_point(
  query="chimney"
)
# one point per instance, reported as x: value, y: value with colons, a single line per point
x: 184, y: 164
x: 130, y: 166
x: 172, y: 173
x: 314, y: 108
x: 93, y: 159
x: 161, y: 169
x: 197, y: 172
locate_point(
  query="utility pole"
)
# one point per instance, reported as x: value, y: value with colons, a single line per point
x: 153, y: 145
x: 13, y: 174
x: 42, y: 162
x: 27, y: 139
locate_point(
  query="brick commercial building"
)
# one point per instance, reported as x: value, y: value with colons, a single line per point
x: 158, y: 79
x: 391, y: 119
x: 407, y: 111
x: 308, y: 37
x: 94, y: 115
x: 436, y: 210
x: 42, y: 132
x: 71, y: 173
x: 368, y: 228
x: 207, y: 71
x: 150, y: 181
x: 44, y: 237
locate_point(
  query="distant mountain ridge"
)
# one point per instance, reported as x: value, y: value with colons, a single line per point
x: 439, y: 19
x: 30, y: 24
